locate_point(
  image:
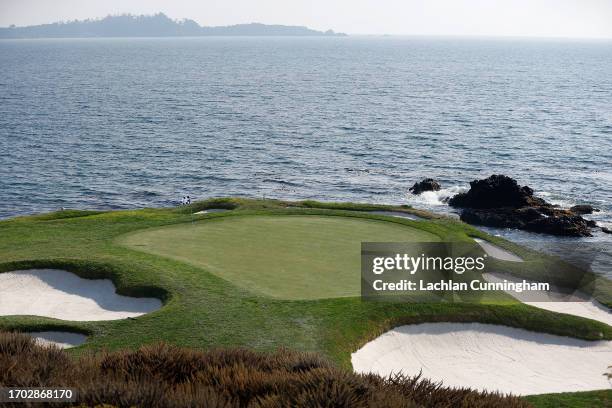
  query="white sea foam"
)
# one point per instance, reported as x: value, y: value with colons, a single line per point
x: 555, y: 199
x: 435, y: 198
x: 606, y: 224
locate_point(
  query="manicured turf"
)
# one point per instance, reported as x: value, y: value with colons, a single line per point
x: 286, y: 257
x: 592, y: 399
x: 203, y: 310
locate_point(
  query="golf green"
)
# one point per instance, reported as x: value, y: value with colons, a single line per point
x: 285, y: 257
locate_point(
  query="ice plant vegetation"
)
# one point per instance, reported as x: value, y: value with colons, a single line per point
x: 167, y: 376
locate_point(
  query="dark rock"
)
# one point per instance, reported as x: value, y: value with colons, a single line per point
x: 495, y: 192
x: 499, y: 201
x: 427, y: 184
x: 583, y: 209
x: 528, y: 214
x: 529, y: 219
x: 571, y: 226
x: 501, y: 218
x: 606, y: 230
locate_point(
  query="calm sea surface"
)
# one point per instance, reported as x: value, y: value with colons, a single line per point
x: 124, y: 123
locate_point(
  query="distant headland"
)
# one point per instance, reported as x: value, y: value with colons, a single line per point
x: 158, y: 25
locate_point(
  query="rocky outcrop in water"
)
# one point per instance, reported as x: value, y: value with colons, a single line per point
x: 497, y: 191
x: 499, y: 201
x: 427, y: 184
x: 583, y: 209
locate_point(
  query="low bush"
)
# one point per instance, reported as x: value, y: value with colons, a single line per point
x: 168, y: 376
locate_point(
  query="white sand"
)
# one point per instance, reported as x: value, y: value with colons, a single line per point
x: 577, y: 304
x: 60, y: 339
x: 397, y: 214
x: 64, y: 295
x: 488, y: 357
x: 497, y: 252
x: 497, y: 358
x: 211, y: 210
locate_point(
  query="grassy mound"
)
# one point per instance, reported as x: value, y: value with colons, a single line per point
x: 286, y: 257
x: 206, y: 308
x: 168, y: 376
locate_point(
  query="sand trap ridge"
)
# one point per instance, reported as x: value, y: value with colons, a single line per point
x: 497, y: 358
x: 488, y: 357
x: 211, y: 211
x: 64, y: 295
x: 59, y: 339
x: 397, y: 214
x: 577, y: 304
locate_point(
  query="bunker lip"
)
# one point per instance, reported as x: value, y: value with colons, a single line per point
x: 211, y: 211
x: 497, y: 252
x: 488, y: 357
x: 59, y: 339
x: 398, y: 214
x: 63, y: 295
x: 495, y: 357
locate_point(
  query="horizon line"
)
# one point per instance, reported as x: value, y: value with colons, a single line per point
x: 436, y: 35
x: 432, y: 36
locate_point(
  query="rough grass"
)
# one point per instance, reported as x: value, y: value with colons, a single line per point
x: 204, y: 311
x: 590, y: 399
x: 168, y: 376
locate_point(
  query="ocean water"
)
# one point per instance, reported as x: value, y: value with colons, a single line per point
x: 128, y: 123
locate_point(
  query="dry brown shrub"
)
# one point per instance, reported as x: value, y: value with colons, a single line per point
x: 165, y: 376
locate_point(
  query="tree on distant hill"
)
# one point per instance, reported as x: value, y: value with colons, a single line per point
x: 157, y: 25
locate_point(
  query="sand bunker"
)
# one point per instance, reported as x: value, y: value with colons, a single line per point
x: 497, y: 252
x: 497, y: 358
x: 488, y: 357
x: 211, y: 211
x: 397, y: 214
x: 577, y: 304
x: 59, y: 339
x: 64, y: 295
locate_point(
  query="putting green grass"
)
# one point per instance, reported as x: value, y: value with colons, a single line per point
x: 285, y: 257
x: 206, y: 306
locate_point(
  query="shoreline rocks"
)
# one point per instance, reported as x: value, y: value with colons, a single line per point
x: 583, y: 209
x: 499, y: 201
x: 427, y: 184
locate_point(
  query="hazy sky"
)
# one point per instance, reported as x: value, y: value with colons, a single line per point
x: 538, y: 18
